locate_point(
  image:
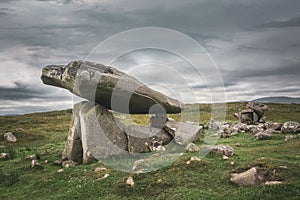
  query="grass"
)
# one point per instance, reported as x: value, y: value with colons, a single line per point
x: 45, y: 134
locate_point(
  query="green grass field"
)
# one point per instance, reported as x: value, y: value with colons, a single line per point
x: 45, y: 134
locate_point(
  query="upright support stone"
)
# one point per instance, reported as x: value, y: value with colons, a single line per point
x: 101, y: 135
x: 73, y: 148
x: 94, y: 133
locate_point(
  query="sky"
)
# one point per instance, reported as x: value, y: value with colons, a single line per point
x: 255, y: 46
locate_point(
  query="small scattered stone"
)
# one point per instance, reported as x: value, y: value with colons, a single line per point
x: 34, y: 163
x: 238, y: 144
x: 99, y: 169
x: 60, y: 170
x: 290, y: 137
x: 225, y: 157
x: 191, y: 147
x: 129, y: 181
x: 247, y: 178
x: 20, y: 129
x: 69, y: 163
x: 193, y: 158
x: 257, y: 129
x: 262, y: 136
x: 47, y: 161
x: 282, y: 167
x: 225, y: 150
x: 159, y: 180
x: 104, y: 177
x: 9, y: 137
x: 159, y: 148
x: 4, y: 155
x: 58, y: 162
x: 273, y: 182
x: 232, y: 163
x: 33, y: 157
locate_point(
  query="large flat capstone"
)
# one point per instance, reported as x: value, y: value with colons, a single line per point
x: 109, y: 87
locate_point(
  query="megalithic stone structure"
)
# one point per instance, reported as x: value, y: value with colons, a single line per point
x: 95, y: 133
x: 109, y: 87
x: 253, y: 114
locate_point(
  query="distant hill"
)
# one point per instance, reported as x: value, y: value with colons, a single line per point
x: 284, y: 100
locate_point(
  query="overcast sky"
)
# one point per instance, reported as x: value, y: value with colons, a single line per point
x: 254, y: 43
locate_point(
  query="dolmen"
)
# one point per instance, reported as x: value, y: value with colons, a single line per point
x: 254, y: 113
x: 95, y: 132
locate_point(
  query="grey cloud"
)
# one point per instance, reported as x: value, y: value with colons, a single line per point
x: 293, y: 22
x: 6, y: 11
x: 54, y: 33
x: 20, y: 92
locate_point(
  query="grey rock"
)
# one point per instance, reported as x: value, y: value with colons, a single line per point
x: 290, y: 137
x: 234, y: 130
x: 191, y: 147
x: 221, y: 134
x: 73, y: 148
x: 4, y: 155
x: 109, y: 87
x: 9, y: 137
x: 129, y: 181
x: 103, y: 177
x: 193, y: 159
x: 224, y: 130
x: 261, y: 125
x: 94, y: 133
x: 100, y: 169
x: 69, y: 163
x: 250, y: 128
x: 271, y: 131
x: 241, y: 127
x: 102, y: 135
x: 146, y: 139
x: 262, y: 136
x: 257, y: 129
x: 213, y: 124
x: 33, y: 157
x: 290, y: 127
x: 34, y: 163
x: 273, y: 182
x: 223, y: 149
x: 248, y: 178
x: 58, y: 162
x: 183, y: 132
x: 238, y: 145
x: 273, y: 125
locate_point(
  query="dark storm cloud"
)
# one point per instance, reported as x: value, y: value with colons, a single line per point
x: 26, y: 92
x: 251, y: 41
x: 20, y: 92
